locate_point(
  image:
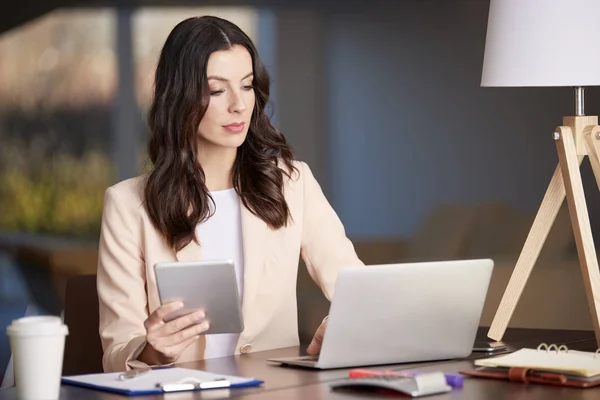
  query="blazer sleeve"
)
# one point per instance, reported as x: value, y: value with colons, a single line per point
x: 325, y: 248
x: 121, y: 285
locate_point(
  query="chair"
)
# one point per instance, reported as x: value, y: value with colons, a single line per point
x: 83, y: 349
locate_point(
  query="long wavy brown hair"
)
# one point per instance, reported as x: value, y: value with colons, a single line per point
x: 175, y: 194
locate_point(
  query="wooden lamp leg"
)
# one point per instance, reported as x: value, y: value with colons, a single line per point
x: 592, y: 141
x: 580, y: 136
x: 553, y: 199
x: 580, y: 220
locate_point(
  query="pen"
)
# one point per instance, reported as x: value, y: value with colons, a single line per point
x: 453, y: 380
x: 193, y: 384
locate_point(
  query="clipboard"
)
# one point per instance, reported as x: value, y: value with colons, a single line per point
x: 159, y: 381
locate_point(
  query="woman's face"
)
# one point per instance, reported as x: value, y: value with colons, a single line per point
x: 227, y: 118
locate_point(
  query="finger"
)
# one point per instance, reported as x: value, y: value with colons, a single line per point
x: 314, y: 347
x: 183, y: 322
x: 156, y: 319
x: 173, y: 352
x: 320, y: 333
x: 181, y: 336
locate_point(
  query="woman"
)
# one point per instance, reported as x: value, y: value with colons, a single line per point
x: 223, y: 184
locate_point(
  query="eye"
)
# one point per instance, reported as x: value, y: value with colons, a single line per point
x: 216, y: 92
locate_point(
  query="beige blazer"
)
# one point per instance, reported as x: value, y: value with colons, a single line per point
x: 130, y: 246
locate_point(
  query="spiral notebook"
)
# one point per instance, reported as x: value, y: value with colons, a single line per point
x: 547, y: 364
x: 551, y: 358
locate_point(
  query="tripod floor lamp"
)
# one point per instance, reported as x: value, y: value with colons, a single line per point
x: 534, y: 43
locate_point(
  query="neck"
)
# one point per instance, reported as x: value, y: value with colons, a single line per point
x: 218, y: 167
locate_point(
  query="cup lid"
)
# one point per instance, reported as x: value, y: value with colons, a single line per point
x: 37, y: 325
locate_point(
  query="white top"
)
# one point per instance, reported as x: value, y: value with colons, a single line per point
x: 221, y: 238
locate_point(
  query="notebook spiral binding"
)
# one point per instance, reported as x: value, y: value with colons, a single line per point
x: 558, y: 349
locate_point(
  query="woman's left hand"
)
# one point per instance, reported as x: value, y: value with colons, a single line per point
x: 314, y: 347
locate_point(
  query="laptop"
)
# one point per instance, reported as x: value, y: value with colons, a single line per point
x: 399, y: 313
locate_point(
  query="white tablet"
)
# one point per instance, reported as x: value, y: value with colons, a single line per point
x: 204, y: 285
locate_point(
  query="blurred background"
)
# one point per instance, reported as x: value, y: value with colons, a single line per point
x: 381, y: 98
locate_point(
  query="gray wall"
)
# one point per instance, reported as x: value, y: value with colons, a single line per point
x: 409, y: 126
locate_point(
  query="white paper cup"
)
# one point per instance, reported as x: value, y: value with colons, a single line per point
x: 37, y: 345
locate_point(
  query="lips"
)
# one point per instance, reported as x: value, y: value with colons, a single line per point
x: 236, y: 127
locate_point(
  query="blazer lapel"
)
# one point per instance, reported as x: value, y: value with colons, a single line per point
x: 254, y: 240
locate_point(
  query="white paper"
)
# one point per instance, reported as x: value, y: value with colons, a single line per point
x: 148, y: 381
x: 574, y: 362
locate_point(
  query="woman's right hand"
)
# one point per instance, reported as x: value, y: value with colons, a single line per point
x: 167, y: 340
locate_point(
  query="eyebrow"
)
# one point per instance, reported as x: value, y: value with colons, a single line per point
x: 220, y: 78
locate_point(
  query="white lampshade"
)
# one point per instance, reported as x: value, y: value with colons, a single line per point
x: 542, y: 43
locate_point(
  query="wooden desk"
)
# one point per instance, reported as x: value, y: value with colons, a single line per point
x: 474, y: 389
x: 293, y: 383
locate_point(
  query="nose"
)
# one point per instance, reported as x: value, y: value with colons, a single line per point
x: 237, y: 102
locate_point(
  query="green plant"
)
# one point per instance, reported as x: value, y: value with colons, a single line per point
x: 62, y: 195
